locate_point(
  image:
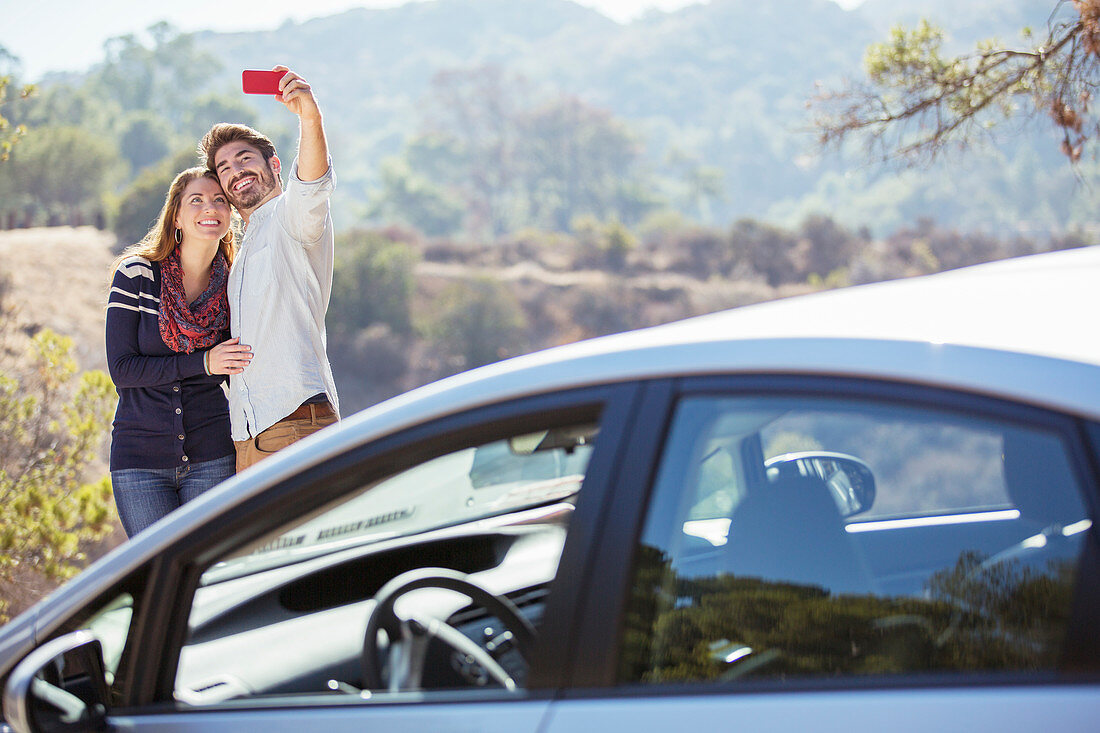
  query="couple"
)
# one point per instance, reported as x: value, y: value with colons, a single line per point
x: 178, y: 295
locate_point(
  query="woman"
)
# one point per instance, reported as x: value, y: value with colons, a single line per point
x: 167, y: 351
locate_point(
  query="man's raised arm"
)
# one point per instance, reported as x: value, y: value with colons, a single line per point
x: 297, y: 95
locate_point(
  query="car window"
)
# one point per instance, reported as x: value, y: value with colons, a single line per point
x: 288, y: 613
x: 452, y: 489
x: 800, y: 538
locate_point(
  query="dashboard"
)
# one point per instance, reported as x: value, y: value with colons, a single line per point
x: 300, y: 628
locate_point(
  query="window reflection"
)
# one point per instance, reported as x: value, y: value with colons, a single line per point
x: 745, y: 572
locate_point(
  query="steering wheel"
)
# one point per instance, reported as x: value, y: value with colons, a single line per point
x: 408, y: 638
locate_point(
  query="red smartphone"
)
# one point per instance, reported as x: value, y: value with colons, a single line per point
x: 257, y: 81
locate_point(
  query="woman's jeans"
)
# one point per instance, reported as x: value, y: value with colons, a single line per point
x: 144, y: 495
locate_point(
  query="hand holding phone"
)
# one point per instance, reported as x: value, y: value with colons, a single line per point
x: 257, y: 81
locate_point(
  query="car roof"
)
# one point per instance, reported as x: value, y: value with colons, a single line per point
x: 1031, y: 305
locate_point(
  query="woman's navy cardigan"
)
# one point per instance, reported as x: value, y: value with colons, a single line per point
x: 170, y: 412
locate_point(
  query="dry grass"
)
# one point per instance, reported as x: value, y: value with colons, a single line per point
x: 58, y: 279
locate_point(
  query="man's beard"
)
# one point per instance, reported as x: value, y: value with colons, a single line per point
x: 265, y: 184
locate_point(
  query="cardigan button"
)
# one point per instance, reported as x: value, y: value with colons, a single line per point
x: 184, y: 459
x: 179, y: 410
x: 175, y: 388
x: 180, y: 436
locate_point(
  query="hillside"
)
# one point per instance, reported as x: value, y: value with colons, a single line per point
x: 57, y: 278
x: 407, y: 310
x: 477, y: 119
x: 557, y: 302
x: 723, y: 84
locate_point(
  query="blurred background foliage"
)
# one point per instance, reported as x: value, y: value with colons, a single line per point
x: 473, y: 119
x: 52, y: 422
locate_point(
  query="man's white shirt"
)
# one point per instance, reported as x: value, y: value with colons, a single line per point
x: 279, y: 288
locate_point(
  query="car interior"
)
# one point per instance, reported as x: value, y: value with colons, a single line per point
x: 432, y: 579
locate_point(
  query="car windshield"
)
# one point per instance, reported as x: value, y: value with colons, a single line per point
x: 469, y: 484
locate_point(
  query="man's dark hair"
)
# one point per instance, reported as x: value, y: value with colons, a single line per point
x: 224, y: 133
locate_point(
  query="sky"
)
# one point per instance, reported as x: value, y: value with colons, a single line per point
x: 68, y: 35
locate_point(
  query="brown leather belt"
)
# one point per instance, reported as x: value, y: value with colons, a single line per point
x: 314, y: 410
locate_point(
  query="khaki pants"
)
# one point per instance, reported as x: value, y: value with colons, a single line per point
x: 278, y: 436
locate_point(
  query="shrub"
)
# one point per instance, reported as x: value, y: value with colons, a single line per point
x: 477, y: 322
x: 372, y: 282
x: 51, y: 422
x: 143, y: 198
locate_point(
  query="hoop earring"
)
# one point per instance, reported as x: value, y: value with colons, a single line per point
x: 179, y: 237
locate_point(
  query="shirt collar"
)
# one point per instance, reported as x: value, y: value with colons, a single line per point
x: 262, y: 212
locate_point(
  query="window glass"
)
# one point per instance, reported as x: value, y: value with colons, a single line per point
x: 288, y: 613
x: 111, y: 625
x: 920, y: 465
x: 797, y: 538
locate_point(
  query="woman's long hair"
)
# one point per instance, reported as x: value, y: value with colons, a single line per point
x: 159, y: 242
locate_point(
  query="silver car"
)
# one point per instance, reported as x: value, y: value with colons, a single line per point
x: 869, y: 509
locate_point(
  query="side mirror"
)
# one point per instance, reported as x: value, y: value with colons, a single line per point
x: 849, y: 479
x: 61, y: 686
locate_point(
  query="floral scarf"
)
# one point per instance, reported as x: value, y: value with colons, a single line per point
x: 184, y: 327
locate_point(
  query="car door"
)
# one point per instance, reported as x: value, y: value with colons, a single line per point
x: 261, y: 618
x: 748, y: 588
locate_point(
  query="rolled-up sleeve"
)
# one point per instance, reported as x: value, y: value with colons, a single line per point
x: 304, y: 207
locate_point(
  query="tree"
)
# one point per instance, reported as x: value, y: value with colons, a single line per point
x: 10, y: 194
x: 64, y: 169
x: 143, y: 198
x: 699, y: 184
x: 202, y: 112
x: 165, y: 76
x: 608, y: 243
x: 495, y: 150
x: 830, y: 246
x: 575, y: 159
x: 413, y: 198
x: 918, y: 101
x: 146, y: 139
x: 372, y: 282
x: 477, y: 110
x: 72, y: 104
x: 477, y: 323
x: 9, y: 134
x: 769, y: 250
x: 51, y: 424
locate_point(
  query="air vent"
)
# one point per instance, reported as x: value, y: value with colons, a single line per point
x: 212, y: 690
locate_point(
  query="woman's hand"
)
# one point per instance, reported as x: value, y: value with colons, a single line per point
x: 228, y: 357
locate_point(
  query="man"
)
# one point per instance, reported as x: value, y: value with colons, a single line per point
x: 280, y: 282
